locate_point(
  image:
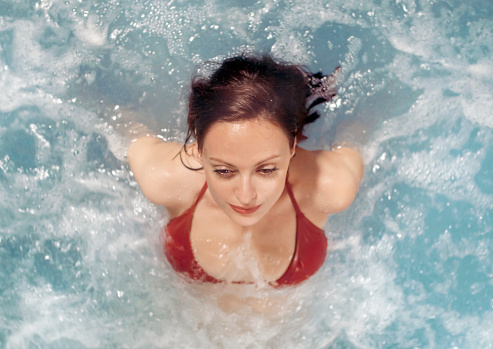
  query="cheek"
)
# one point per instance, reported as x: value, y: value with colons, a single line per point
x: 269, y: 189
x: 219, y: 189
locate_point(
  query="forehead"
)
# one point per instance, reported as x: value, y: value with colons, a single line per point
x: 246, y: 138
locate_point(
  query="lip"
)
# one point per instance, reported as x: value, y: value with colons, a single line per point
x: 245, y: 210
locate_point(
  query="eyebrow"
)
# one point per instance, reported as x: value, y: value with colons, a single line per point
x: 258, y: 163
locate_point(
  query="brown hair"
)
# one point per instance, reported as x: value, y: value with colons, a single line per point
x: 246, y: 88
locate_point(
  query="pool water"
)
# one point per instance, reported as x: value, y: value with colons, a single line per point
x: 410, y: 262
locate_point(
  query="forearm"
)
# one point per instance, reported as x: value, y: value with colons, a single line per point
x: 125, y: 128
x: 352, y: 135
x: 125, y: 123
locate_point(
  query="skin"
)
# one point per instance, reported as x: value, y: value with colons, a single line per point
x: 245, y: 164
x: 251, y: 175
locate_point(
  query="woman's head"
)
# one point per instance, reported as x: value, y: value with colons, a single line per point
x: 248, y: 88
x: 245, y: 165
x: 247, y: 118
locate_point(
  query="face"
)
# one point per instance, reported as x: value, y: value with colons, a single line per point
x: 245, y: 165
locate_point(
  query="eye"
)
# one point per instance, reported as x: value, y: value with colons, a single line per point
x: 224, y: 173
x: 268, y: 171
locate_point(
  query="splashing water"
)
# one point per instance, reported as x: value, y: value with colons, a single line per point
x: 410, y: 262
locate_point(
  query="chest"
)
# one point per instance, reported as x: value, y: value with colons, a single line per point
x: 227, y: 251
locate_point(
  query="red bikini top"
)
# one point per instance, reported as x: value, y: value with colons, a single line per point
x: 308, y: 257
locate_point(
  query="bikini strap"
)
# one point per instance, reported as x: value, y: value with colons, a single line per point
x: 201, y: 194
x: 291, y: 195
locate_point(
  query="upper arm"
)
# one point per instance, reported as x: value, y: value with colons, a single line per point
x: 150, y: 161
x: 341, y: 171
x: 159, y: 172
x: 349, y: 172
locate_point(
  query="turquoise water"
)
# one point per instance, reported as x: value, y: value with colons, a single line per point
x: 410, y: 264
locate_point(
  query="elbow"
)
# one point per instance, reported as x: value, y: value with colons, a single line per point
x: 344, y: 201
x: 152, y: 186
x: 345, y: 192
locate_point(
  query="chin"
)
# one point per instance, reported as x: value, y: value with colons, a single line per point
x: 245, y: 220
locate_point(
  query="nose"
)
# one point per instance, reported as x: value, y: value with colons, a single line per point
x: 246, y: 192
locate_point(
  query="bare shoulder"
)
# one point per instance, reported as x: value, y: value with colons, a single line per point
x: 161, y: 175
x: 329, y: 180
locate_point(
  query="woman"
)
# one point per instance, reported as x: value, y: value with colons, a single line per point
x: 247, y: 204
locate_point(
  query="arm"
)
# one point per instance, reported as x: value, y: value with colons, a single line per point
x: 156, y: 164
x: 161, y: 175
x: 351, y: 135
x: 151, y: 161
x: 345, y: 163
x: 325, y: 182
x: 124, y: 122
x: 346, y: 167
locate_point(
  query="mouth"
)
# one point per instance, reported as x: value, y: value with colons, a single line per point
x: 245, y: 210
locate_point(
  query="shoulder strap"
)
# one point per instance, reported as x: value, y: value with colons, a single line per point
x: 201, y: 194
x: 291, y: 196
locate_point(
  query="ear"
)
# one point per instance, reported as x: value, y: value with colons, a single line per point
x: 197, y: 154
x: 293, y: 150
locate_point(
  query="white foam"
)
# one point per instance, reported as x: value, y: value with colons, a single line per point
x: 477, y: 328
x: 51, y: 316
x: 91, y: 32
x: 132, y: 296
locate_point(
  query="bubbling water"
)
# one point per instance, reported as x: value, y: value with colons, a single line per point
x: 409, y: 263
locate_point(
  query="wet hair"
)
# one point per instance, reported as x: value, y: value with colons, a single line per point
x: 251, y: 87
x: 247, y: 88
